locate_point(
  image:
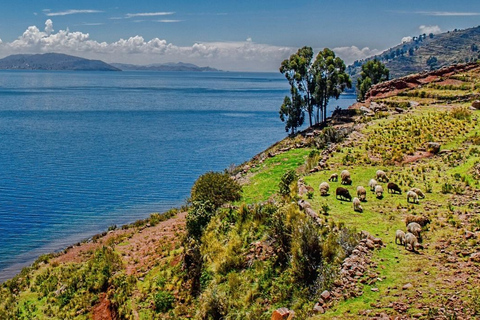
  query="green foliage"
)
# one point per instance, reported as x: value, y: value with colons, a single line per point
x: 291, y: 111
x: 330, y: 135
x: 285, y: 185
x: 216, y: 188
x: 163, y: 301
x: 373, y: 72
x: 432, y: 62
x: 198, y: 218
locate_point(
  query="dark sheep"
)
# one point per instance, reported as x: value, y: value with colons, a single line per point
x: 343, y: 193
x: 393, y: 188
x: 421, y: 220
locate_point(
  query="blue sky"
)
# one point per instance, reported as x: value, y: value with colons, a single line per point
x: 231, y: 35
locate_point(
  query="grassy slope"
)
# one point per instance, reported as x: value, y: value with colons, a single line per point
x: 433, y: 274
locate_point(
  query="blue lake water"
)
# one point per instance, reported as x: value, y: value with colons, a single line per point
x: 81, y: 151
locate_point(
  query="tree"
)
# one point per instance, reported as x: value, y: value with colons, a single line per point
x: 297, y: 71
x: 373, y: 72
x: 291, y: 111
x: 432, y: 62
x: 330, y: 80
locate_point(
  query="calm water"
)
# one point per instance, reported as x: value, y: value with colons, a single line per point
x: 80, y: 151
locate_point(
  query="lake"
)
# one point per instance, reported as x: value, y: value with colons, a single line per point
x: 81, y: 151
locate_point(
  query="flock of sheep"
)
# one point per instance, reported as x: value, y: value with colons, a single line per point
x: 414, y: 224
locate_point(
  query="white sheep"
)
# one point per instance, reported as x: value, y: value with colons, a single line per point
x: 415, y: 229
x: 361, y: 193
x: 382, y: 176
x: 418, y: 192
x: 356, y: 205
x: 333, y: 177
x: 400, y: 236
x: 412, y: 195
x: 379, y: 191
x: 372, y: 183
x: 324, y: 187
x: 410, y: 241
x: 345, y: 176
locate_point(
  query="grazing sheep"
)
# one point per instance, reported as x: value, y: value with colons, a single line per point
x: 421, y: 220
x: 372, y: 184
x: 356, y: 205
x: 324, y: 187
x: 333, y: 177
x: 361, y: 193
x: 410, y: 241
x: 346, y: 179
x: 418, y: 192
x: 415, y: 229
x: 382, y: 176
x: 379, y: 191
x: 412, y: 195
x: 393, y: 188
x: 400, y: 236
x: 343, y: 193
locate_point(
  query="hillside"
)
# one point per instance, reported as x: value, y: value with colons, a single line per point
x: 53, y: 61
x: 457, y: 46
x: 285, y: 250
x: 179, y: 66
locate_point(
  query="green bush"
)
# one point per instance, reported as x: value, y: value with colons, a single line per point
x: 286, y: 182
x: 215, y: 187
x: 163, y: 301
x: 198, y: 218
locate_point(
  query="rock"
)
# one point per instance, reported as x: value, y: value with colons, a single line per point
x: 374, y: 289
x: 318, y: 308
x: 433, y: 147
x: 476, y: 104
x: 282, y: 314
x: 407, y: 286
x: 475, y: 257
x: 370, y: 245
x: 378, y: 241
x: 325, y: 295
x: 469, y: 235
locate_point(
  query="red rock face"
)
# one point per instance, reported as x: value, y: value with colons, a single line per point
x: 393, y: 87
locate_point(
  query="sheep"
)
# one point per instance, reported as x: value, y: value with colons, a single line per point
x: 333, y: 177
x: 382, y: 176
x: 418, y: 192
x: 324, y: 187
x: 421, y: 220
x: 372, y: 183
x: 400, y: 236
x: 412, y: 195
x: 410, y: 240
x: 343, y: 193
x: 415, y: 229
x: 361, y: 193
x: 346, y: 179
x: 356, y: 205
x: 393, y: 188
x: 379, y: 191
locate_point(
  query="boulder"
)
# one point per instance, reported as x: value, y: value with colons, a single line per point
x: 318, y: 308
x: 283, y: 314
x: 325, y: 295
x: 433, y: 147
x: 476, y: 104
x: 475, y: 257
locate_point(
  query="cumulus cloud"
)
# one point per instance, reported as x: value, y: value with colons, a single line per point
x: 353, y: 53
x: 68, y: 12
x: 242, y: 55
x: 148, y: 14
x: 429, y: 29
x: 406, y: 39
x: 447, y: 13
x: 169, y: 21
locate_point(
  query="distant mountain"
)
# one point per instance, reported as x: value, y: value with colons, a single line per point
x: 457, y: 46
x: 180, y: 66
x: 53, y: 61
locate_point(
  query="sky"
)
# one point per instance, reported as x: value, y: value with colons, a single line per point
x: 247, y: 35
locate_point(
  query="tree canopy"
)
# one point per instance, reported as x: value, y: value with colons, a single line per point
x: 373, y: 72
x: 312, y: 85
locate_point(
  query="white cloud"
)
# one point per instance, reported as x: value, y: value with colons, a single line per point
x: 429, y: 29
x: 242, y: 55
x: 169, y: 21
x: 353, y: 53
x: 148, y: 14
x: 447, y: 13
x: 68, y: 12
x: 406, y: 39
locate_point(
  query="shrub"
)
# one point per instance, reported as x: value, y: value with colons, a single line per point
x: 163, y: 301
x: 215, y: 187
x: 286, y: 182
x: 198, y: 218
x: 461, y: 113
